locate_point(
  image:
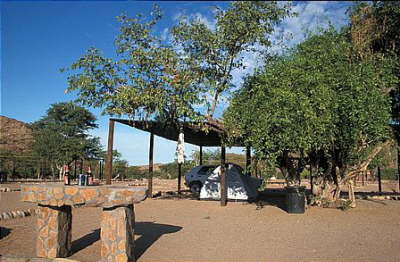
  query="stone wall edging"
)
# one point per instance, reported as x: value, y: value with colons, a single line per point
x: 25, y: 259
x: 8, y: 189
x: 18, y: 213
x: 377, y: 197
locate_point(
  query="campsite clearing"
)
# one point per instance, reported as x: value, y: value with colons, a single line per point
x: 191, y: 230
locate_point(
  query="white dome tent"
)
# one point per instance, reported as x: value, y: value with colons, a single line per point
x: 240, y: 187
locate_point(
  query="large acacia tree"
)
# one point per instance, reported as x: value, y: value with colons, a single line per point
x: 61, y: 136
x: 319, y: 105
x: 153, y: 78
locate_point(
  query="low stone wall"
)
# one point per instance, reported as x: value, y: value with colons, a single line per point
x: 26, y: 259
x: 7, y: 189
x: 367, y: 197
x: 18, y: 214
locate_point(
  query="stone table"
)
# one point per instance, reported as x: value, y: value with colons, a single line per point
x: 54, y: 219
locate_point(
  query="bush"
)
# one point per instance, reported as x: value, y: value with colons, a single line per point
x: 388, y: 174
x: 134, y: 172
x: 170, y: 170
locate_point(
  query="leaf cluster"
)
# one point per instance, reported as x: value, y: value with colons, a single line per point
x: 61, y: 135
x: 317, y: 98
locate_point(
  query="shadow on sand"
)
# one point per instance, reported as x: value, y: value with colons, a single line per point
x: 272, y: 197
x: 4, y: 232
x: 149, y: 233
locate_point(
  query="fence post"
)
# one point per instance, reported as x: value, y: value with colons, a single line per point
x: 379, y: 179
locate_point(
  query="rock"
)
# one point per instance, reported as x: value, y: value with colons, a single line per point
x: 14, y: 259
x: 64, y: 260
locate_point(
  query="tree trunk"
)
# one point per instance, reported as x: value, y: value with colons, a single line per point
x: 60, y: 172
x: 352, y: 196
x: 325, y: 189
x: 53, y: 175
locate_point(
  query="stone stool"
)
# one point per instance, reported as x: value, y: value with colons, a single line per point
x: 54, y: 220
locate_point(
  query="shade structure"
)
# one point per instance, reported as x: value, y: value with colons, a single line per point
x: 209, y: 133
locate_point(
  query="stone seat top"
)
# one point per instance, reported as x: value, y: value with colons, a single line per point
x: 107, y: 196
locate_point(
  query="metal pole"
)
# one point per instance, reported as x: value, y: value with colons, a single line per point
x: 179, y: 178
x: 201, y: 155
x: 379, y: 179
x: 109, y: 159
x: 150, y: 179
x: 223, y: 177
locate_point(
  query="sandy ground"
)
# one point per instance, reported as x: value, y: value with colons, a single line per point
x: 191, y: 230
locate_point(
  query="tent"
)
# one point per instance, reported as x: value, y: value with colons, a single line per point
x: 240, y: 187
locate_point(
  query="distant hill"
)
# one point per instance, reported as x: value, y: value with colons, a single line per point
x: 15, y: 136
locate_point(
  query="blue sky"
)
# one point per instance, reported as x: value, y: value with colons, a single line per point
x: 40, y: 37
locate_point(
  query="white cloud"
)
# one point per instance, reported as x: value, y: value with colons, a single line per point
x: 311, y: 15
x: 209, y: 21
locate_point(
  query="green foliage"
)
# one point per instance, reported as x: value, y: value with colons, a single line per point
x: 147, y: 80
x: 209, y: 156
x: 61, y: 135
x: 134, y: 172
x: 388, y: 173
x: 153, y: 79
x: 18, y: 165
x: 216, y: 52
x: 170, y: 170
x: 317, y: 98
x: 375, y: 31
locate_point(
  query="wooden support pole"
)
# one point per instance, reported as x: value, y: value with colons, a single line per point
x: 398, y: 168
x: 81, y: 166
x: 179, y: 178
x: 150, y: 179
x: 379, y: 179
x: 248, y: 160
x: 201, y: 155
x: 108, y: 167
x: 100, y: 170
x: 223, y: 178
x: 311, y: 181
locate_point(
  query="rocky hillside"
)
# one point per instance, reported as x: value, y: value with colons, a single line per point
x: 15, y: 135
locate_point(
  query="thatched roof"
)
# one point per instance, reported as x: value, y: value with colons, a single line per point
x: 209, y: 133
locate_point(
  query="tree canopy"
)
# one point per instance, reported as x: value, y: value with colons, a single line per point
x: 61, y: 135
x: 319, y: 103
x: 153, y: 78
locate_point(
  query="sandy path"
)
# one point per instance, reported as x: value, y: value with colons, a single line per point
x: 190, y: 230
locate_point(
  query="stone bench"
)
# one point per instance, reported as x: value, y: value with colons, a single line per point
x: 54, y: 219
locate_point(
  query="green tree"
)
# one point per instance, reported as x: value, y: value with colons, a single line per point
x: 61, y: 135
x: 375, y: 31
x: 318, y: 104
x: 209, y: 156
x: 154, y: 79
x: 216, y: 52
